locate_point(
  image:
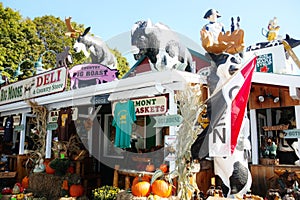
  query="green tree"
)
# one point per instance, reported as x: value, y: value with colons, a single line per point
x: 51, y: 31
x: 25, y: 41
x: 18, y: 41
x: 122, y: 65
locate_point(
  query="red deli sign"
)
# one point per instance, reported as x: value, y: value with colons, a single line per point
x: 42, y: 84
x: 150, y: 106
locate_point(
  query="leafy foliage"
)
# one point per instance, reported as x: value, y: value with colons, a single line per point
x: 24, y: 41
x: 123, y: 65
x: 105, y: 192
x: 18, y: 41
x: 51, y: 31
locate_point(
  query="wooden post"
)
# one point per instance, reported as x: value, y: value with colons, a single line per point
x: 116, y: 176
x: 127, y: 182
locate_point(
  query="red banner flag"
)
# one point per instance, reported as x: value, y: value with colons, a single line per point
x: 228, y: 109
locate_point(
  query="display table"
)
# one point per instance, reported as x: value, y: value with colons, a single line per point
x: 7, y: 179
x: 127, y: 173
x: 265, y: 177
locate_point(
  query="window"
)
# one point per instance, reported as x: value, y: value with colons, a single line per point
x: 144, y: 136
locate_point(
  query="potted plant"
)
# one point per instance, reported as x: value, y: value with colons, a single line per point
x: 105, y: 193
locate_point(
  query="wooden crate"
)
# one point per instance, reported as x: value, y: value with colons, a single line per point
x: 269, y: 161
x: 8, y: 174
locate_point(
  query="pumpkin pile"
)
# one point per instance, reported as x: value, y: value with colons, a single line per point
x: 158, y: 185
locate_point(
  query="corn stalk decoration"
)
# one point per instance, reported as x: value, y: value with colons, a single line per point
x: 40, y: 120
x: 190, y: 105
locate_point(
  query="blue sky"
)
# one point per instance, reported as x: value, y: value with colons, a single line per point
x: 108, y: 19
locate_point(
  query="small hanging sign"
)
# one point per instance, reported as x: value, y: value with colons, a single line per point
x: 52, y: 126
x: 19, y: 127
x: 168, y: 120
x: 292, y: 133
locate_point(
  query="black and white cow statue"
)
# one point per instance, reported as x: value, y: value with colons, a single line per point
x: 161, y: 45
x: 291, y: 41
x: 232, y: 169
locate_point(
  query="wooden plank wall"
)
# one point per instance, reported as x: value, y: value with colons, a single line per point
x: 264, y: 177
x: 261, y: 89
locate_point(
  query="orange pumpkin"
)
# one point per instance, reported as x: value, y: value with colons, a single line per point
x: 140, y: 179
x: 25, y: 182
x: 161, y: 188
x: 141, y: 189
x: 65, y: 185
x: 164, y: 168
x: 150, y: 168
x: 76, y: 190
x: 49, y: 170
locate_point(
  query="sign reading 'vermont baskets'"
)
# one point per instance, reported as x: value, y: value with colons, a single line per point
x: 42, y: 84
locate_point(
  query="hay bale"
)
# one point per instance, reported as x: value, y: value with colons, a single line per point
x: 45, y: 185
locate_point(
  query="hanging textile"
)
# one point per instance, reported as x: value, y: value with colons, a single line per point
x: 124, y: 117
x: 66, y: 126
x: 8, y: 129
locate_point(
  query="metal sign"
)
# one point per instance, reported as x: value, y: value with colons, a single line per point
x: 52, y: 126
x: 19, y: 127
x: 100, y: 99
x: 292, y: 133
x: 168, y: 120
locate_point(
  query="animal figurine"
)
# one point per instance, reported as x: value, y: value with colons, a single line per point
x: 161, y: 46
x: 273, y: 29
x: 27, y: 88
x: 64, y: 57
x: 95, y: 48
x: 73, y: 33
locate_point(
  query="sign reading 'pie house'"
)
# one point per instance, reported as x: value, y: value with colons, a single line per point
x: 42, y: 84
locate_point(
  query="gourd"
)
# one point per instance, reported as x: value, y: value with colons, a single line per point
x: 164, y: 168
x: 76, y: 190
x: 150, y: 168
x: 25, y: 182
x: 49, y: 170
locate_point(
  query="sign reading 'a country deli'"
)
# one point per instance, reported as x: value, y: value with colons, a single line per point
x: 42, y: 84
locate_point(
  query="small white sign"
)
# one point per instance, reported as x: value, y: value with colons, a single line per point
x: 170, y: 148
